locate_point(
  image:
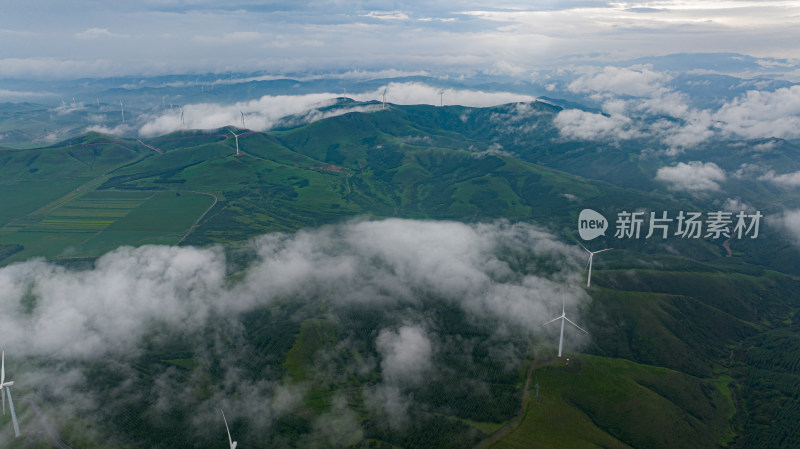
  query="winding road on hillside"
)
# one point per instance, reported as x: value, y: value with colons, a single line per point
x: 505, y: 430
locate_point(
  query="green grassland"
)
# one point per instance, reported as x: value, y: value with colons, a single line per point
x: 615, y: 403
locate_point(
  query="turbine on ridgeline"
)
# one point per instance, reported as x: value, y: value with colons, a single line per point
x: 237, y: 140
x: 563, y: 318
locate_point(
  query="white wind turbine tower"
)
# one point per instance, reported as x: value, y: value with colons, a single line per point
x: 122, y: 110
x: 563, y: 318
x: 384, y: 97
x: 4, y: 388
x: 237, y: 140
x: 230, y: 440
x: 441, y: 98
x: 240, y: 112
x: 181, y: 108
x: 591, y: 256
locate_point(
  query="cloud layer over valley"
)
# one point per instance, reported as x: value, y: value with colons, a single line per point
x: 137, y: 299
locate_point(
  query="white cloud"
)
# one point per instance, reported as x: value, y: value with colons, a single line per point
x: 785, y: 180
x: 98, y: 33
x: 87, y: 314
x: 17, y: 95
x: 107, y: 309
x: 737, y: 205
x: 406, y: 354
x: 577, y: 124
x: 139, y: 297
x: 119, y: 130
x: 693, y: 177
x: 387, y: 15
x: 260, y: 115
x: 420, y: 93
x: 790, y: 222
x: 266, y: 112
x: 762, y: 114
x: 622, y: 81
x: 236, y: 37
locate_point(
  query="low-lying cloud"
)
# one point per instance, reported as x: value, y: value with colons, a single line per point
x: 640, y: 102
x: 268, y: 111
x: 581, y: 125
x: 695, y: 176
x: 107, y: 316
x: 621, y: 81
x: 785, y: 180
x: 789, y: 221
x: 406, y: 354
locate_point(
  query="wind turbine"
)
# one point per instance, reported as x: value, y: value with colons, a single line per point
x: 237, y: 140
x: 441, y: 98
x: 122, y: 110
x: 230, y: 440
x: 591, y: 256
x: 563, y: 318
x: 4, y: 388
x: 181, y: 108
x: 384, y: 97
x: 240, y: 112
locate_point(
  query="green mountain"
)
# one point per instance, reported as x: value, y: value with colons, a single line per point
x: 689, y: 348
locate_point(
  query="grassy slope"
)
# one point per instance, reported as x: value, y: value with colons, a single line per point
x: 615, y: 403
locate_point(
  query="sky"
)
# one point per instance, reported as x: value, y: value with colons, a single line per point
x: 90, y: 38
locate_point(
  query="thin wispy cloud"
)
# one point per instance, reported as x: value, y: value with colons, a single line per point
x: 387, y: 15
x: 98, y: 33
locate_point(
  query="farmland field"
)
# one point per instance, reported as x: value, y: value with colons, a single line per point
x: 99, y: 221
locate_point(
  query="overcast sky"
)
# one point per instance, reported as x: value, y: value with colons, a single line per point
x: 47, y: 38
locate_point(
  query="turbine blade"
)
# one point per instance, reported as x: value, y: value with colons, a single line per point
x: 554, y: 319
x: 579, y: 243
x: 13, y: 413
x: 3, y: 369
x: 4, y: 400
x: 580, y: 328
x: 602, y: 250
x: 230, y: 441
